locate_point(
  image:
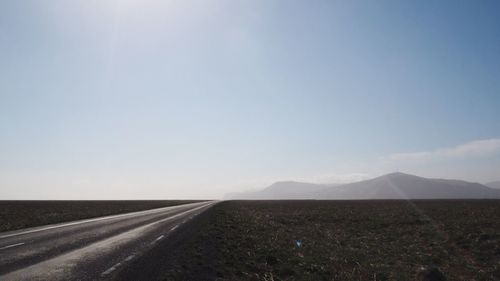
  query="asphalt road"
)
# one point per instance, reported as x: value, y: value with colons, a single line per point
x: 93, y: 249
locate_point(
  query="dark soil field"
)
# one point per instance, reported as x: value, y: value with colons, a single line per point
x: 341, y: 240
x: 22, y: 214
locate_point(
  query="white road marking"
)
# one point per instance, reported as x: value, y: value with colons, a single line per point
x: 114, y: 267
x: 13, y: 245
x: 111, y: 269
x: 157, y: 239
x: 98, y: 219
x: 173, y: 228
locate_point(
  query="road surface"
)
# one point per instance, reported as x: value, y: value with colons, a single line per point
x: 92, y: 249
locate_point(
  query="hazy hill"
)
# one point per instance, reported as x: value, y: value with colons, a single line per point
x: 495, y: 184
x: 404, y: 186
x: 283, y: 190
x: 391, y: 186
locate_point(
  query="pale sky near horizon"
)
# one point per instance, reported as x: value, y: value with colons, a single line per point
x: 192, y: 99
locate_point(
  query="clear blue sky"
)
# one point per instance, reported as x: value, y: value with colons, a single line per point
x: 192, y: 99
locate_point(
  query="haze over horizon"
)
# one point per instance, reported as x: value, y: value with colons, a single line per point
x: 194, y: 99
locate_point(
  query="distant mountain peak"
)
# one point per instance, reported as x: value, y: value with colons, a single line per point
x: 398, y: 175
x: 395, y: 185
x: 286, y: 182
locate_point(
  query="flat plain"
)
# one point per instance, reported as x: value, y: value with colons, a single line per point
x: 341, y: 240
x: 22, y: 214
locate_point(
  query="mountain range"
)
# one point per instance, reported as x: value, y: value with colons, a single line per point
x: 390, y: 186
